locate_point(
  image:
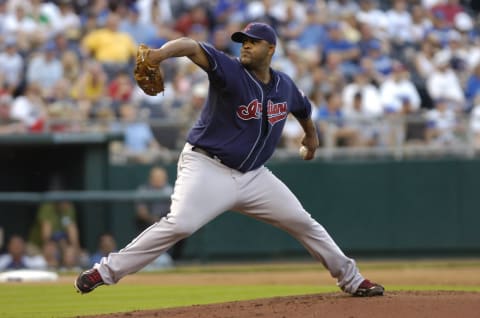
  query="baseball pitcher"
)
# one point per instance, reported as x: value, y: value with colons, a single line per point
x: 222, y: 167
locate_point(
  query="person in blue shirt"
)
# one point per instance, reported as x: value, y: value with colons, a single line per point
x: 336, y: 42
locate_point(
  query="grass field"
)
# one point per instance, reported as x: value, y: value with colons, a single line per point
x: 220, y: 283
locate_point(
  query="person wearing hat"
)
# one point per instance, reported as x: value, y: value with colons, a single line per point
x: 222, y: 166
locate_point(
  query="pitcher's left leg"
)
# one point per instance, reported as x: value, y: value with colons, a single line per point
x: 266, y: 198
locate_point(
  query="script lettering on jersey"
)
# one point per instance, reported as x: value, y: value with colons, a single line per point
x: 275, y: 111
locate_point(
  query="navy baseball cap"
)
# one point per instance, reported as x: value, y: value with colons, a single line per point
x: 256, y: 30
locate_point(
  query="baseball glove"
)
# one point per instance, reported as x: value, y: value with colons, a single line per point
x: 148, y: 75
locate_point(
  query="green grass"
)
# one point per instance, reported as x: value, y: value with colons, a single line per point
x: 40, y: 301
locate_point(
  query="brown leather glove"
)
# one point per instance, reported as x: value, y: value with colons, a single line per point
x: 148, y: 75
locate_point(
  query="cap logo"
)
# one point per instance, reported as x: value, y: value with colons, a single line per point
x: 248, y: 27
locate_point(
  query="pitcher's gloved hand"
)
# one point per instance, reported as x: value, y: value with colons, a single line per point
x: 148, y: 75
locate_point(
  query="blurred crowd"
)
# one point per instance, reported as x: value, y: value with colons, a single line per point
x: 376, y: 71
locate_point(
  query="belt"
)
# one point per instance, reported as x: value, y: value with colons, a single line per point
x: 206, y: 153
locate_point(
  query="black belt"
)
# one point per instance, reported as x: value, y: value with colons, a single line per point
x: 206, y: 153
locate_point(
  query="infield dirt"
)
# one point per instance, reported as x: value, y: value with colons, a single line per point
x: 392, y: 305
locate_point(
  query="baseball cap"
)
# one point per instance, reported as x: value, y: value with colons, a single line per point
x: 256, y: 30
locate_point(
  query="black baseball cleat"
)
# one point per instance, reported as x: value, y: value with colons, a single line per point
x: 88, y: 281
x: 369, y: 289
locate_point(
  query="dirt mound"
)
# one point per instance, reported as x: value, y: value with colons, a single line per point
x: 337, y: 305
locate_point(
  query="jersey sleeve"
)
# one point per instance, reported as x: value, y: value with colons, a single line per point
x: 222, y: 67
x: 301, y: 108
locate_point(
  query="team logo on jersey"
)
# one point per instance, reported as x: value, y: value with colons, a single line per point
x: 275, y: 111
x: 252, y: 111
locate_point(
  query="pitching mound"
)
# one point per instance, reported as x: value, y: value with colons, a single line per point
x: 337, y: 305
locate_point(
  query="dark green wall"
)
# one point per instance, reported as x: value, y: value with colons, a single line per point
x: 383, y: 208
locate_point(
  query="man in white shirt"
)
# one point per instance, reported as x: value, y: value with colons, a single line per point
x: 443, y: 83
x: 16, y: 257
x: 398, y: 93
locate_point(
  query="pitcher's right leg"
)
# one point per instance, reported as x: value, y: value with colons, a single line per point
x: 204, y: 189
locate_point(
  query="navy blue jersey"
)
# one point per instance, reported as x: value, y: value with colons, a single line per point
x: 242, y: 119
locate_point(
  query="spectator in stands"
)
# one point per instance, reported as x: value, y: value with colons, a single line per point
x: 449, y: 9
x: 67, y: 20
x: 199, y: 33
x: 156, y: 12
x: 11, y: 65
x: 139, y: 31
x: 139, y: 143
x: 292, y: 23
x: 371, y: 15
x: 381, y: 60
x: 109, y: 46
x: 9, y: 125
x: 17, y: 258
x: 363, y: 122
x: 423, y: 64
x: 440, y: 28
x: 221, y: 40
x: 398, y: 94
x: 312, y: 33
x: 52, y: 254
x: 351, y: 28
x: 71, y: 261
x: 333, y: 129
x: 45, y: 69
x: 120, y: 89
x: 443, y: 83
x: 30, y: 108
x: 90, y: 88
x: 369, y: 95
x: 63, y: 44
x: 20, y: 25
x: 56, y: 222
x: 443, y: 124
x: 149, y: 212
x: 190, y: 112
x: 71, y: 66
x: 399, y: 23
x: 197, y: 14
x: 336, y: 43
x: 421, y: 23
x: 62, y: 111
x: 106, y: 245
